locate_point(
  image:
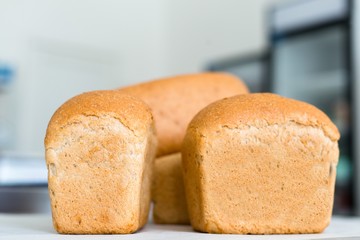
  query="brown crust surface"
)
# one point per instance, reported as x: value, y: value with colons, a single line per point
x: 175, y: 100
x: 99, y: 151
x: 247, y: 159
x: 129, y: 110
x: 168, y: 192
x: 262, y: 109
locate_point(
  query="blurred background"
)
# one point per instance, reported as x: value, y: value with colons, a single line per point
x: 53, y: 50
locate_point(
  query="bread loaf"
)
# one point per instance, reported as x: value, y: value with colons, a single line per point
x: 260, y: 164
x: 168, y: 191
x: 99, y: 152
x: 175, y: 100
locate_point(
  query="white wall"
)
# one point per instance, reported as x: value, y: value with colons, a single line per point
x: 62, y: 48
x: 203, y: 30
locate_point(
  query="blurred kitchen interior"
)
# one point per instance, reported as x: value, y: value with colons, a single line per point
x: 53, y: 50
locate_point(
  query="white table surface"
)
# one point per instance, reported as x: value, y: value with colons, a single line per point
x: 39, y: 227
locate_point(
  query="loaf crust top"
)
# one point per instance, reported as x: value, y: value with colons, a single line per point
x: 175, y: 101
x: 259, y: 110
x: 196, y: 81
x: 130, y: 111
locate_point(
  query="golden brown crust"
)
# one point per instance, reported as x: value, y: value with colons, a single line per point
x: 131, y: 111
x: 244, y: 170
x: 99, y: 151
x: 176, y: 100
x: 262, y: 109
x: 168, y: 192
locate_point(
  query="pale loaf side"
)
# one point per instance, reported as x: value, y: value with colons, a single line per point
x: 260, y: 164
x: 99, y: 150
x: 168, y: 192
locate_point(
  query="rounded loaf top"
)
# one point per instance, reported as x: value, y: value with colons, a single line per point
x: 259, y: 110
x: 130, y: 111
x: 191, y: 81
x: 176, y: 100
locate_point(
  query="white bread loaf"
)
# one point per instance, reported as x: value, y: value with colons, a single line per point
x: 260, y: 164
x: 168, y: 192
x: 174, y: 101
x: 100, y: 148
